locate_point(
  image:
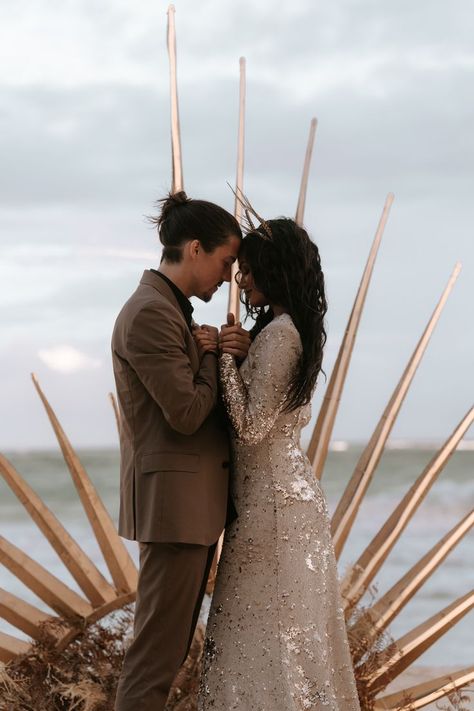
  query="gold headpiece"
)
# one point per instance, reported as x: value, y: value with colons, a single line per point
x: 248, y: 210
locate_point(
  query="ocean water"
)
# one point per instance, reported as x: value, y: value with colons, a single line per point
x: 450, y: 498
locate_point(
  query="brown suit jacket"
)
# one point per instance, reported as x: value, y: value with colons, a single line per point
x: 174, y: 472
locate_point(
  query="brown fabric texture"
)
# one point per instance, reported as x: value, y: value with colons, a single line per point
x: 171, y: 587
x: 174, y: 446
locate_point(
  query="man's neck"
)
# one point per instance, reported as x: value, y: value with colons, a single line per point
x: 174, y: 272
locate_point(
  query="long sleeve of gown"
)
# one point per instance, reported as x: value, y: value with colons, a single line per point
x: 254, y: 406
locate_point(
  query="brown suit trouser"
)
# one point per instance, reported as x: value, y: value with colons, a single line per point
x: 171, y: 585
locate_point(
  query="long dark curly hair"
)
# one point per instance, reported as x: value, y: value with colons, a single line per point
x: 286, y: 268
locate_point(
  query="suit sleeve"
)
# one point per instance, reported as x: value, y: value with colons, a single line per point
x: 157, y: 352
x: 253, y: 407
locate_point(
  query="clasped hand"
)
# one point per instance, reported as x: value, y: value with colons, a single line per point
x: 232, y: 339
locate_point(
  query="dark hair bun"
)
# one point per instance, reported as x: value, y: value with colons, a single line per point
x: 182, y: 219
x: 170, y: 203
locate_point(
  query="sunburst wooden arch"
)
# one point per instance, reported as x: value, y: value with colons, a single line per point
x: 100, y: 595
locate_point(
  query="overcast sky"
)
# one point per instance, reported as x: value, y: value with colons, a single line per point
x: 85, y: 152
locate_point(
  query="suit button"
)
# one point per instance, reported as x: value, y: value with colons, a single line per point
x: 225, y: 465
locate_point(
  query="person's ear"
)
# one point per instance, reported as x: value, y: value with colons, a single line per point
x: 195, y: 247
x: 192, y: 248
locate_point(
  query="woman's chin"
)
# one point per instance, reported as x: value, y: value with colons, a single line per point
x: 257, y: 303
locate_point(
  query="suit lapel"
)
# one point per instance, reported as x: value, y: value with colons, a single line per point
x: 155, y: 281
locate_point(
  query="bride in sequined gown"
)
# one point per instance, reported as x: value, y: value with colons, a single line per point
x: 276, y: 638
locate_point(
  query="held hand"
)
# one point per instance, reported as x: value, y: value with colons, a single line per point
x: 212, y: 331
x: 234, y: 339
x: 230, y: 321
x: 206, y: 339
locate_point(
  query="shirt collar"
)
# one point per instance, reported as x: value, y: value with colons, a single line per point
x: 183, y: 301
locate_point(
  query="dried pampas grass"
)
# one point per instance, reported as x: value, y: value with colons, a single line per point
x: 81, y: 677
x: 366, y: 652
x: 84, y: 675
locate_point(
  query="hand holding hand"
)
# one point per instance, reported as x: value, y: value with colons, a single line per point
x: 234, y: 339
x: 206, y: 338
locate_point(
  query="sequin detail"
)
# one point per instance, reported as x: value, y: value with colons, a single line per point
x: 276, y: 638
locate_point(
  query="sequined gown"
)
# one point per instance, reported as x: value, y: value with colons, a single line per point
x: 276, y: 638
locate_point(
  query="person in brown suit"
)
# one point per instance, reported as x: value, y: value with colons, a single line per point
x: 174, y: 472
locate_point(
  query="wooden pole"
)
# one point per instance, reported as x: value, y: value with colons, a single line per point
x: 304, y: 180
x: 233, y: 305
x: 177, y: 165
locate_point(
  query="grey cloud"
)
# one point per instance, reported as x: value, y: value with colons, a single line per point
x: 309, y: 32
x: 111, y: 151
x: 305, y: 25
x: 85, y: 163
x: 118, y: 147
x: 82, y: 308
x: 79, y: 399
